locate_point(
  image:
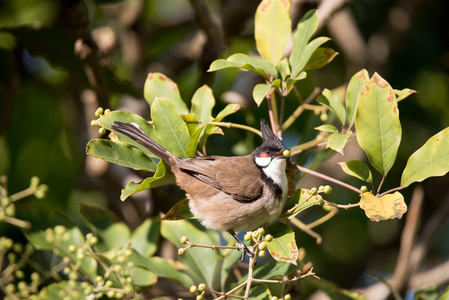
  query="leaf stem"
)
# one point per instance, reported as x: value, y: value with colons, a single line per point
x: 345, y: 206
x: 306, y: 229
x: 391, y: 190
x: 234, y: 125
x: 300, y: 109
x: 325, y: 177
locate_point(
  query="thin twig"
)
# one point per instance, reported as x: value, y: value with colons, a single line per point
x: 300, y: 109
x: 325, y: 177
x: 306, y: 229
x: 234, y: 125
x: 345, y: 206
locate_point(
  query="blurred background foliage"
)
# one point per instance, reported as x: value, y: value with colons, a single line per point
x: 61, y: 59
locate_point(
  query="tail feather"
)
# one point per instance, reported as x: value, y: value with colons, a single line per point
x: 133, y: 131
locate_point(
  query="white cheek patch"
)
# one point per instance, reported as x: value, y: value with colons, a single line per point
x: 276, y: 171
x: 263, y: 161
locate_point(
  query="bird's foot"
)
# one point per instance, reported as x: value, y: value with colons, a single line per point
x: 245, y: 251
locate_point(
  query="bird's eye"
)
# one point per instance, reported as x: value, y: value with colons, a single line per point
x: 267, y: 151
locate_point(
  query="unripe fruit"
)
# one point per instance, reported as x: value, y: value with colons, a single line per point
x: 184, y: 240
x: 201, y: 287
x: 262, y: 246
x: 286, y: 152
x: 181, y: 251
x: 193, y: 289
x: 364, y: 189
x: 262, y: 253
x: 268, y: 238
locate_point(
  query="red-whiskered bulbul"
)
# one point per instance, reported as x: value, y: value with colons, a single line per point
x: 228, y: 193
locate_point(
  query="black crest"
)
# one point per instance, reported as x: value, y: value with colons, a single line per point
x: 270, y: 140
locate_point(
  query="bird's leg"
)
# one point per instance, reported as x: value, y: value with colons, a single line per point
x: 242, y: 246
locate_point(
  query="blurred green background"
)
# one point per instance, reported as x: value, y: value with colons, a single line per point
x: 50, y: 88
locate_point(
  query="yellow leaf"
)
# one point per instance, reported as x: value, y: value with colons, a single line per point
x: 390, y: 206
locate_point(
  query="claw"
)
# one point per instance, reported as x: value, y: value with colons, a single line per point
x: 242, y: 247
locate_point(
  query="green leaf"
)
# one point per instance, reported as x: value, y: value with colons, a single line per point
x: 284, y: 68
x: 390, y: 206
x: 43, y: 237
x: 402, y: 94
x: 179, y: 211
x: 327, y: 128
x: 357, y: 169
x: 320, y: 57
x: 159, y: 85
x: 202, y: 103
x: 283, y: 245
x: 246, y: 62
x: 335, y: 105
x: 292, y: 81
x: 272, y: 29
x: 201, y: 261
x: 355, y: 86
x: 170, y: 128
x: 121, y: 154
x: 160, y: 178
x: 300, y: 201
x: 145, y: 237
x: 161, y: 267
x: 59, y: 290
x: 111, y: 233
x: 270, y: 270
x: 341, y: 294
x: 377, y: 124
x: 261, y: 90
x: 304, y: 31
x: 337, y: 141
x: 108, y: 119
x: 432, y: 159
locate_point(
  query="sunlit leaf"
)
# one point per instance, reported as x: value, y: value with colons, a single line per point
x: 355, y: 86
x: 377, y: 124
x: 108, y: 119
x: 159, y: 85
x: 239, y: 60
x: 299, y: 201
x: 357, y: 169
x: 304, y: 31
x: 432, y: 159
x: 337, y: 141
x: 121, y: 154
x: 160, y: 178
x: 261, y: 90
x: 284, y: 68
x: 334, y: 103
x: 402, y: 94
x: 202, y: 103
x: 327, y: 128
x: 283, y: 246
x: 179, y: 211
x: 272, y: 29
x: 390, y: 206
x: 170, y: 128
x: 320, y: 57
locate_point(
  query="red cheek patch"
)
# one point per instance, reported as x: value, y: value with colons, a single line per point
x: 263, y: 154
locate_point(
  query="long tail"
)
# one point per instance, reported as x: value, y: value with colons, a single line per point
x: 136, y: 133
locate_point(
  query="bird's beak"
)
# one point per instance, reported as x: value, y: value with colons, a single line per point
x: 283, y: 154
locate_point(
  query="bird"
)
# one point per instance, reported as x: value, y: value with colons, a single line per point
x: 228, y: 193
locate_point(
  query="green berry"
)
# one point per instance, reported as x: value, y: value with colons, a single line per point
x: 199, y: 297
x: 323, y: 117
x: 314, y: 191
x: 102, y: 131
x: 261, y: 230
x: 327, y: 189
x: 181, y: 251
x: 262, y: 253
x: 201, y: 287
x: 10, y: 210
x: 5, y: 201
x: 262, y: 246
x: 268, y: 238
x: 286, y: 152
x: 255, y: 234
x: 193, y: 289
x: 364, y: 189
x: 99, y: 112
x: 247, y: 236
x: 288, y: 297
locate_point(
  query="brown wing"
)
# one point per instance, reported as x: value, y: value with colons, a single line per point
x: 234, y: 176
